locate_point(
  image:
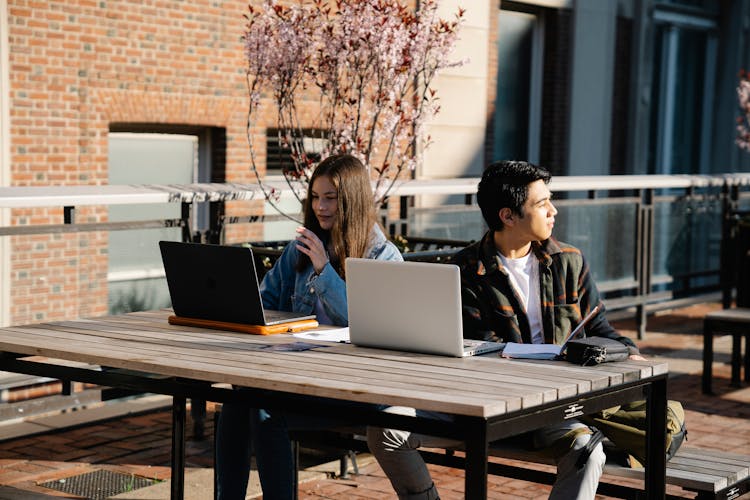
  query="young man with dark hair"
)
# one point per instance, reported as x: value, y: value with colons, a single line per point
x: 518, y: 284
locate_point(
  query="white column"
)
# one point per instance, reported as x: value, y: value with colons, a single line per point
x: 4, y: 163
x: 458, y: 131
x: 594, y: 29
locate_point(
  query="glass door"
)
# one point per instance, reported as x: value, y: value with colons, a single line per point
x: 682, y: 100
x: 517, y: 117
x: 682, y: 94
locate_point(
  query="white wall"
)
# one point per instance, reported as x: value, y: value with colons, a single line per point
x: 458, y: 131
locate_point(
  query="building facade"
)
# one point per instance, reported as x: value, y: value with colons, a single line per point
x: 597, y: 87
x: 89, y: 90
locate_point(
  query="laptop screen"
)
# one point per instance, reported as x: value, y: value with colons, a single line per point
x: 213, y: 282
x: 218, y: 283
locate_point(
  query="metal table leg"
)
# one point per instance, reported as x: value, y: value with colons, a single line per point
x: 178, y: 448
x: 477, y: 455
x: 736, y: 358
x: 656, y: 435
x: 708, y: 357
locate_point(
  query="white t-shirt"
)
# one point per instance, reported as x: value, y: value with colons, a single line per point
x: 524, y: 276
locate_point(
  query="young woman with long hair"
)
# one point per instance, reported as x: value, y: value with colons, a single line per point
x: 309, y: 277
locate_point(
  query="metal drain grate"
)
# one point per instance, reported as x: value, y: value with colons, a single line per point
x: 99, y: 485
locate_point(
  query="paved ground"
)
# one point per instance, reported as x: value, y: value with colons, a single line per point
x: 59, y: 449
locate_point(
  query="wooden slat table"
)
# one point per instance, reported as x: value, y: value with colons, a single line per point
x: 489, y: 397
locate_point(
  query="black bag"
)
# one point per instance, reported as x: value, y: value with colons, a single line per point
x: 594, y: 350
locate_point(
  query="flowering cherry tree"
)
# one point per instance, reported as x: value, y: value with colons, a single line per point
x: 355, y: 72
x: 743, y: 122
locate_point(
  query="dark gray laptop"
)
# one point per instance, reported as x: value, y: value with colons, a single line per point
x: 217, y: 282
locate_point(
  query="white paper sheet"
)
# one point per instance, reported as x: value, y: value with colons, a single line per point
x: 327, y: 335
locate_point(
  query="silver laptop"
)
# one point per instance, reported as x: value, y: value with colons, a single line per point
x: 218, y: 283
x: 408, y: 306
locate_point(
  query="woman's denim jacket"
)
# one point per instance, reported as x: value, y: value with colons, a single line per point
x: 285, y: 289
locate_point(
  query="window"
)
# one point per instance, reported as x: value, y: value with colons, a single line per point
x: 707, y: 5
x: 683, y: 79
x: 684, y: 68
x: 517, y: 120
x: 279, y: 151
x: 146, y: 154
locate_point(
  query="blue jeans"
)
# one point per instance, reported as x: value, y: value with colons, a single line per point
x: 242, y: 428
x: 233, y: 451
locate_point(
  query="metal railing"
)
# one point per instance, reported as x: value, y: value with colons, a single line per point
x: 651, y: 241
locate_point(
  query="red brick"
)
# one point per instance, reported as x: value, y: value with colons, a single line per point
x: 74, y: 69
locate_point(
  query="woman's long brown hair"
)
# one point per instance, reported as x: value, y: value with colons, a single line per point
x: 350, y: 234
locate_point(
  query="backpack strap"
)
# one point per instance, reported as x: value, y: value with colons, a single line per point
x: 596, y: 438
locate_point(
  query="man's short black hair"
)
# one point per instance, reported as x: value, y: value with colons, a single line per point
x: 506, y: 184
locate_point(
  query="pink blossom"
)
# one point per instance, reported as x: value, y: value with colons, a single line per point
x: 367, y: 64
x: 743, y: 123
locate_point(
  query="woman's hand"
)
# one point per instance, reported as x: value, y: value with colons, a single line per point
x: 309, y: 244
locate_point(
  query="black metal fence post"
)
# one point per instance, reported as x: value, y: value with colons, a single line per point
x: 644, y: 256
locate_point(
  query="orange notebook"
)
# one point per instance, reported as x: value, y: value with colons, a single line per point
x: 290, y: 327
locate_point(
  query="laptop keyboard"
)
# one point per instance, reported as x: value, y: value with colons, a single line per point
x: 482, y: 346
x: 277, y: 316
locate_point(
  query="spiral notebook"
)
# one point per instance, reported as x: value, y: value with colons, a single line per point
x: 547, y: 351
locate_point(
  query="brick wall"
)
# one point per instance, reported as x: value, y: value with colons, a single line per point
x: 80, y: 67
x: 492, y: 68
x: 77, y: 66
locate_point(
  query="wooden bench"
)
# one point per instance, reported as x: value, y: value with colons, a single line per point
x: 49, y: 398
x: 706, y: 473
x: 66, y: 398
x: 734, y: 322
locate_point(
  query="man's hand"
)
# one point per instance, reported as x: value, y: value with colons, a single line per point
x: 309, y: 244
x: 636, y: 357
